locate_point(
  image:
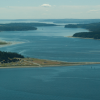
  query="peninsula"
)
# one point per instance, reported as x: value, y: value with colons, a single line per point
x: 94, y: 30
x: 15, y: 60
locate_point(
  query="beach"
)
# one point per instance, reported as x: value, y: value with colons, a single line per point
x: 80, y: 37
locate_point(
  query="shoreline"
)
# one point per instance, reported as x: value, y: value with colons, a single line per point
x: 4, y: 43
x: 78, y: 37
x: 8, y: 43
x: 81, y: 37
x: 66, y: 64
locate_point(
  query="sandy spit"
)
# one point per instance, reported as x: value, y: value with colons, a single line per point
x: 67, y: 64
x: 10, y: 43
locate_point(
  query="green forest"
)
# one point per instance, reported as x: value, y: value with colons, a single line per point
x: 6, y: 57
x: 16, y: 28
x: 94, y: 30
x: 95, y: 35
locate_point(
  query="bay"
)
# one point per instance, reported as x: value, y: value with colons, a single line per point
x: 51, y: 43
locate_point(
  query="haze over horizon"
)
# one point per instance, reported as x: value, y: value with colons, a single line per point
x: 49, y: 9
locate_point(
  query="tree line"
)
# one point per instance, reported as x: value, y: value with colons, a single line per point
x: 95, y: 35
x: 16, y: 28
x: 6, y: 57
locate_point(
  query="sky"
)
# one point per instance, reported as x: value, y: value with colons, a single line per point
x: 49, y: 9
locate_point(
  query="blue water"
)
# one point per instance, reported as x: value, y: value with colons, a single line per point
x: 51, y: 43
x: 52, y: 83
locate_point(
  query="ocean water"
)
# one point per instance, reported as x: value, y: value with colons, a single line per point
x: 51, y: 43
x: 51, y: 83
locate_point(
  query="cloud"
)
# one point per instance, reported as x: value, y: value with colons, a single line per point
x: 46, y: 5
x: 46, y: 11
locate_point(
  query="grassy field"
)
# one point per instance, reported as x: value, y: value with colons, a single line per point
x: 33, y: 62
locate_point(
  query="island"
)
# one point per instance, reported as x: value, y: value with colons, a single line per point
x: 94, y: 30
x: 16, y: 28
x: 22, y: 26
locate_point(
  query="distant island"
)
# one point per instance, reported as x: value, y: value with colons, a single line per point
x: 94, y: 30
x: 22, y: 26
x: 71, y: 20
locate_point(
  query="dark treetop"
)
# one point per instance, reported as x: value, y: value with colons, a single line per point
x: 9, y: 57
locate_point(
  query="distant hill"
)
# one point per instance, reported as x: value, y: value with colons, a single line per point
x: 22, y: 26
x: 29, y: 24
x: 17, y: 28
x: 66, y: 20
x: 80, y: 21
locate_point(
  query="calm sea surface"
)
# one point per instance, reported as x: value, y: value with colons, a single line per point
x: 51, y: 83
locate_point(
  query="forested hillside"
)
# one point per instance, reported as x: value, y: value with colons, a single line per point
x: 94, y: 29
